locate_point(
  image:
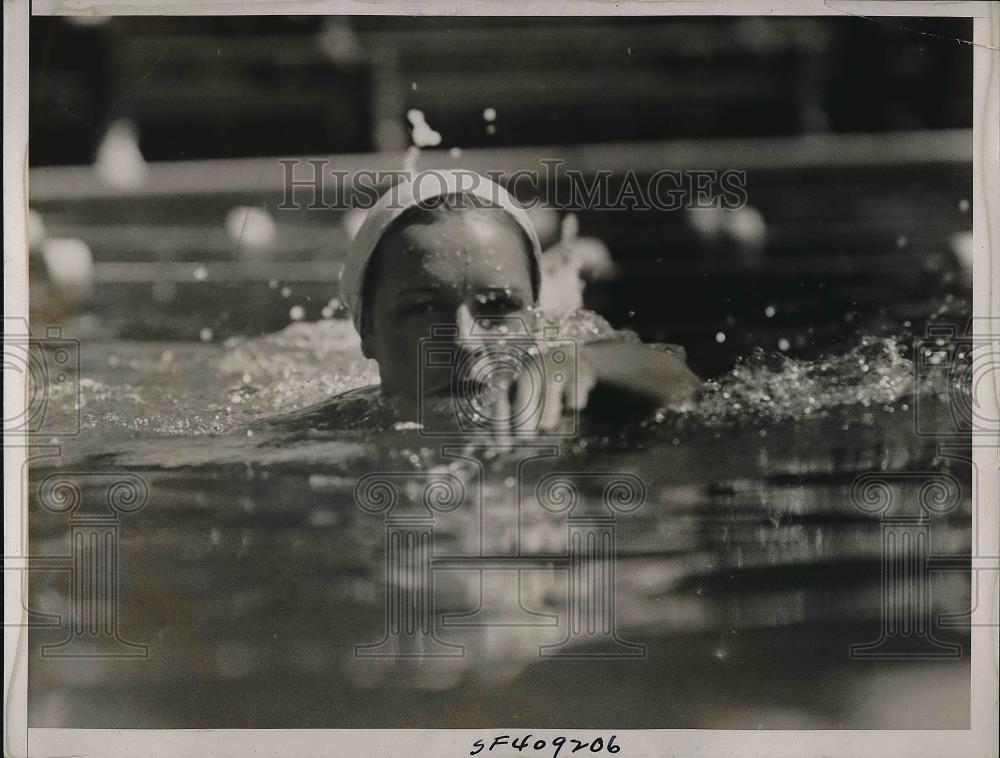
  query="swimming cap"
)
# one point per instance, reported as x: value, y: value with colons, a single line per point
x: 420, y: 190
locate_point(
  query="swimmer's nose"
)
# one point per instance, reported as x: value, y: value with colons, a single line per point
x: 464, y: 321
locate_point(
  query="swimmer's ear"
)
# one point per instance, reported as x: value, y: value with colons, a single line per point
x: 365, y: 330
x: 366, y: 344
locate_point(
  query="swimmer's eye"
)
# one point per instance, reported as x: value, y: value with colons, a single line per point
x: 418, y: 308
x: 487, y: 323
x: 499, y: 305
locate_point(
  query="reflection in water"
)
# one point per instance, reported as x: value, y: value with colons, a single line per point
x: 723, y: 590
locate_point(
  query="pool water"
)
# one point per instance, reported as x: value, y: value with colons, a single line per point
x: 744, y: 565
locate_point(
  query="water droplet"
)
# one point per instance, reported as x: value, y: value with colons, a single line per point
x: 421, y: 132
x: 205, y: 334
x: 783, y: 344
x: 769, y: 311
x: 286, y: 291
x: 963, y: 205
x: 297, y: 313
x: 720, y: 337
x: 200, y: 274
x: 490, y: 114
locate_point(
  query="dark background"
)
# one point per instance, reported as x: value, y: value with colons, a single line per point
x: 849, y: 246
x: 225, y: 87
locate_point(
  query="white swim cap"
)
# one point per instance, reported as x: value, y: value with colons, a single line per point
x: 420, y: 190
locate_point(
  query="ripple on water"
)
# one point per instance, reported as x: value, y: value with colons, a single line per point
x: 152, y: 391
x: 774, y: 387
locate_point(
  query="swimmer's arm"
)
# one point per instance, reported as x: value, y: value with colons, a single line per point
x: 657, y: 373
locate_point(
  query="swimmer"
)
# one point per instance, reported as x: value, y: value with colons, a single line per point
x: 443, y: 283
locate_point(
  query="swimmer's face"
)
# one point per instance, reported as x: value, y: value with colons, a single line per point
x: 425, y: 275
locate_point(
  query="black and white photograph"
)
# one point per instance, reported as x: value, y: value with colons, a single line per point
x: 545, y: 380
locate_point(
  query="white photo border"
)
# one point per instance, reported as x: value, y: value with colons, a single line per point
x: 978, y: 740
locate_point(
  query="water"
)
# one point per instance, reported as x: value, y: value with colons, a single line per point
x: 251, y: 573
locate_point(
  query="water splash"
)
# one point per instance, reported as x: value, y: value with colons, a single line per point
x: 198, y: 389
x: 206, y: 389
x: 422, y: 135
x: 772, y: 387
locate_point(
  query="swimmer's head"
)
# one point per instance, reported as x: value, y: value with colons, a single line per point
x: 430, y: 263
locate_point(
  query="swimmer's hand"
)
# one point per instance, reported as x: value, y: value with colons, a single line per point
x: 657, y: 373
x: 526, y: 381
x: 534, y: 378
